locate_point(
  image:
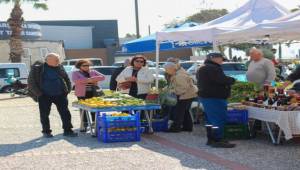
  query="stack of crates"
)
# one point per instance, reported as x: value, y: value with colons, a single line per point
x: 237, y: 124
x: 119, y: 128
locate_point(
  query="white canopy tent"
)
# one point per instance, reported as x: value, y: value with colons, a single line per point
x: 278, y: 30
x: 252, y: 13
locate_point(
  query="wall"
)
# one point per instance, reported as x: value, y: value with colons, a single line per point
x: 35, y: 52
x: 102, y: 29
x: 87, y: 53
x: 74, y: 37
x: 183, y: 54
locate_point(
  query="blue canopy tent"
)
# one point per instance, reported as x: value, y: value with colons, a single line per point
x: 147, y: 44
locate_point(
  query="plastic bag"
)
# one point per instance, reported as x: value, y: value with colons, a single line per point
x: 168, y: 98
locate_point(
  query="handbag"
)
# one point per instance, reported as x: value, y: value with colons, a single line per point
x: 97, y: 92
x: 124, y: 85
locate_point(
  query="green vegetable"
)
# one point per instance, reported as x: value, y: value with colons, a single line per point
x: 242, y: 90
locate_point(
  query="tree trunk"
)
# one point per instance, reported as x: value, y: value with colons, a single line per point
x: 15, y: 23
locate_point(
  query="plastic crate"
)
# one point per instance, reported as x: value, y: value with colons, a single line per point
x: 158, y: 125
x: 240, y: 131
x: 106, y: 121
x: 237, y: 116
x: 107, y: 125
x: 119, y: 136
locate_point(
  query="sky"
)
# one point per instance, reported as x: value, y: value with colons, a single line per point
x: 151, y: 12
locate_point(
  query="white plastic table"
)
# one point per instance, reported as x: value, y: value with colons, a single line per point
x: 285, y: 120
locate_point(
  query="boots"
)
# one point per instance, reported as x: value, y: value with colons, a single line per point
x: 216, y: 143
x: 209, y: 134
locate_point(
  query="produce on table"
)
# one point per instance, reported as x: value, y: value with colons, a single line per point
x: 112, y: 100
x: 240, y: 91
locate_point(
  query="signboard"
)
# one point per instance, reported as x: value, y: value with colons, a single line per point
x: 30, y: 31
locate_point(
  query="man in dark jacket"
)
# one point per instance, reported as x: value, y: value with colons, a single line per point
x: 214, y: 88
x: 49, y: 83
x: 113, y: 83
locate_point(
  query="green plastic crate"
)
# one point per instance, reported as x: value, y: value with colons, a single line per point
x: 236, y: 131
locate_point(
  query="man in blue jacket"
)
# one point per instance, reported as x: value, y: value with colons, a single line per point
x: 214, y: 88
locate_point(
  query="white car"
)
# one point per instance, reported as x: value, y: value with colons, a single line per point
x: 149, y: 63
x: 161, y: 72
x: 72, y: 62
x: 17, y: 70
x: 107, y: 71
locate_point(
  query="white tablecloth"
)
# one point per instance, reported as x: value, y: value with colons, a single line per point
x: 286, y: 120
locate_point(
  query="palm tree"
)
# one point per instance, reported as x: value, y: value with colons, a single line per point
x: 15, y: 23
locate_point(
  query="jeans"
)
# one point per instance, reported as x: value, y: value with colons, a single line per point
x: 61, y: 103
x: 215, y: 114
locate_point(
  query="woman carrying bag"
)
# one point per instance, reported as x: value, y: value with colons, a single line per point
x: 182, y: 86
x: 86, y: 86
x: 136, y: 79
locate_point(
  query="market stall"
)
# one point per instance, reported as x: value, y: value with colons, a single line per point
x: 114, y: 104
x: 271, y: 105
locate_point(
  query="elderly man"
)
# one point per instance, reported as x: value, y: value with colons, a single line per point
x: 49, y: 83
x: 214, y: 88
x: 260, y: 70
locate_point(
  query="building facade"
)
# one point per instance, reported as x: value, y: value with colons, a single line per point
x: 84, y: 38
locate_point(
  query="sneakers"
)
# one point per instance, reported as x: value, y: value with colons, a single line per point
x: 70, y: 134
x: 47, y: 135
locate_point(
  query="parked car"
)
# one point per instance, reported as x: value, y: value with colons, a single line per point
x: 232, y: 69
x: 72, y: 62
x: 161, y: 64
x: 17, y: 70
x: 161, y: 72
x: 188, y: 64
x: 149, y: 63
x: 107, y: 71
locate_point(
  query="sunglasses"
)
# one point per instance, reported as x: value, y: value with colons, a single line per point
x: 85, y: 65
x: 139, y: 61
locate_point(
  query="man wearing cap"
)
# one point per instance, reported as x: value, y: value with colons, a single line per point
x: 214, y: 88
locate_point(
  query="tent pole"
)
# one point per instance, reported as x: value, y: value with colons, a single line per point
x: 215, y: 46
x: 157, y: 46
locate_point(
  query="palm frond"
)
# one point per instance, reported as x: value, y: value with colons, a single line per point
x: 40, y: 6
x: 5, y: 1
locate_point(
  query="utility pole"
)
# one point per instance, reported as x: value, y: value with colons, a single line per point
x: 137, y: 19
x: 149, y: 29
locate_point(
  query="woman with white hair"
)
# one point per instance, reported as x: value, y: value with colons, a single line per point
x: 182, y: 85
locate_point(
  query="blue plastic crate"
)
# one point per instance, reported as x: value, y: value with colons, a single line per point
x: 119, y: 136
x: 106, y: 121
x: 158, y: 125
x: 237, y: 116
x: 107, y: 128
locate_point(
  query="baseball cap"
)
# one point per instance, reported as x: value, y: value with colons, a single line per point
x: 215, y: 55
